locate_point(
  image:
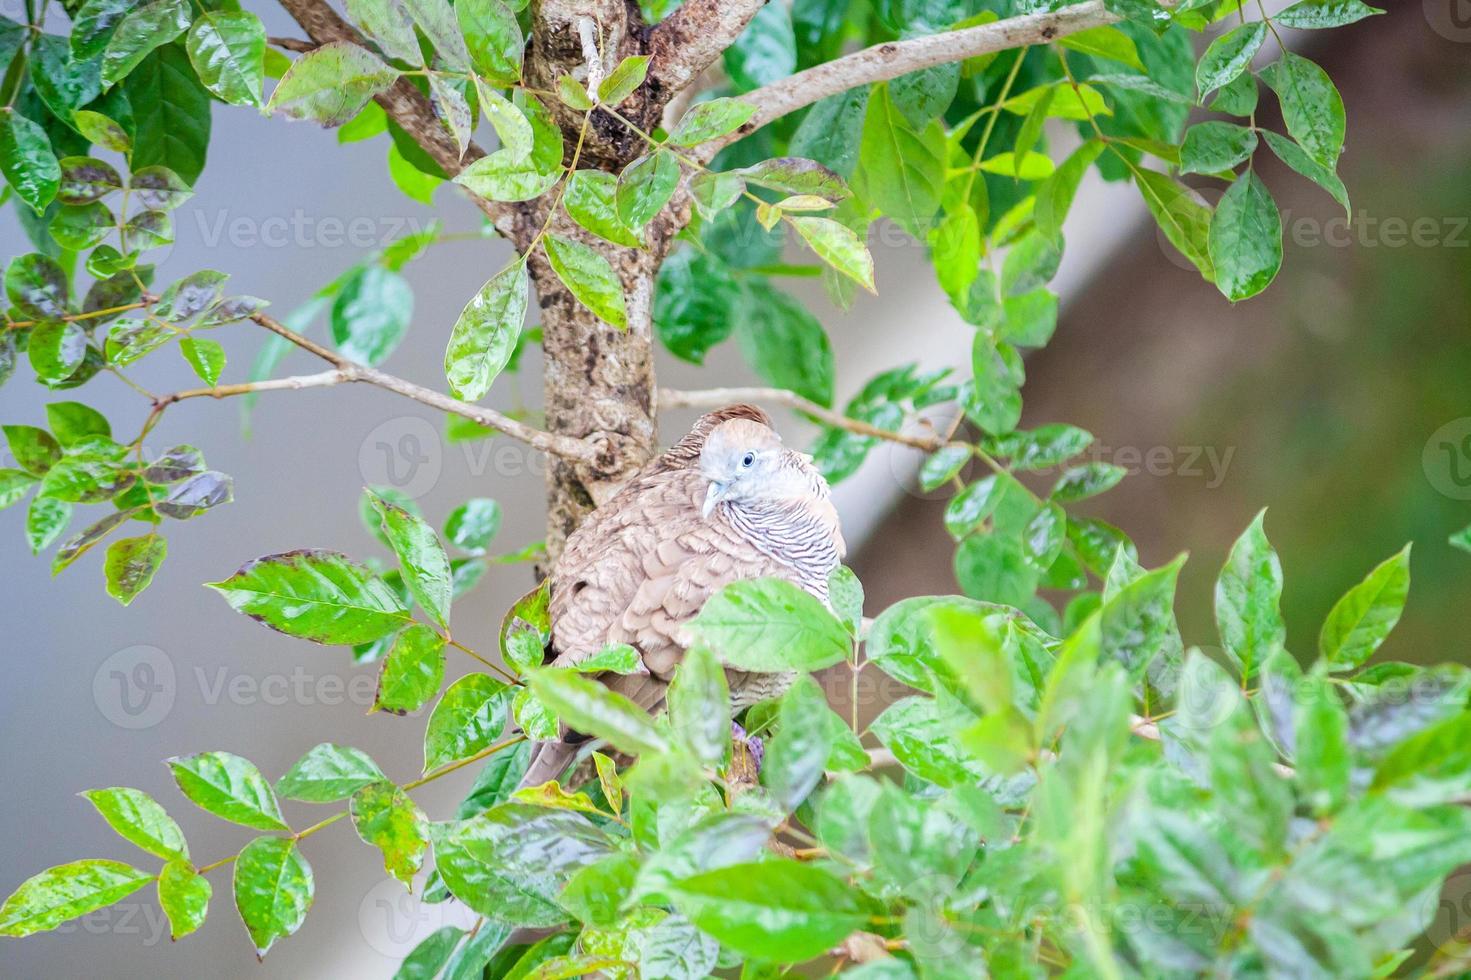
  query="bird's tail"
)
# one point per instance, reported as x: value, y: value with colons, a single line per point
x: 548, y: 760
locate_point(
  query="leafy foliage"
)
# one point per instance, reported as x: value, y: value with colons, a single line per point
x: 1064, y: 764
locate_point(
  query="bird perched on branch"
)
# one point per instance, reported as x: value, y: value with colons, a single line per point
x: 726, y: 502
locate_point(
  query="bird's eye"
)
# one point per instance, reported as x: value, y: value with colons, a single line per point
x: 748, y: 459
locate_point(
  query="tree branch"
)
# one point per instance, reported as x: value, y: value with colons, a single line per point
x: 405, y: 104
x: 892, y: 59
x: 717, y: 397
x: 692, y: 39
x: 345, y: 371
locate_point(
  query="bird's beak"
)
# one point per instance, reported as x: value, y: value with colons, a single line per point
x: 713, y: 496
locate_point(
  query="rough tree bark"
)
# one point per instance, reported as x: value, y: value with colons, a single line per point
x: 600, y: 386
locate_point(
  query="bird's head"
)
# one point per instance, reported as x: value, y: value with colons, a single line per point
x: 744, y: 461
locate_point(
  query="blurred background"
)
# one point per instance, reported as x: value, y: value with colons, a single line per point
x: 1341, y: 400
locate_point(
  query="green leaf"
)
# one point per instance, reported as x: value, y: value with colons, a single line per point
x: 161, y: 189
x: 79, y: 228
x: 589, y: 707
x: 1055, y: 194
x: 590, y: 200
x: 1213, y: 147
x: 943, y: 465
x: 229, y: 787
x: 785, y: 343
x: 616, y: 658
x: 205, y: 356
x: 429, y: 957
x: 131, y: 564
x: 645, y: 186
x: 699, y: 706
x: 144, y: 29
x: 184, y: 895
x: 1228, y: 56
x: 1322, y: 757
x: 45, y: 520
x: 73, y: 422
x: 385, y: 816
x: 573, y: 93
x: 590, y: 278
x: 331, y: 83
x: 34, y: 449
x: 1314, y: 14
x: 1429, y: 768
x: 320, y: 596
x: 328, y: 773
x: 30, y: 168
x: 507, y: 175
x: 37, y: 285
x: 371, y: 313
x: 1360, y: 621
x: 622, y: 81
x: 67, y: 891
x: 388, y: 23
x: 1248, y: 597
x: 422, y: 558
x: 473, y: 525
x: 795, y: 176
x: 1029, y: 166
x: 1246, y: 239
x: 412, y: 671
x: 838, y: 246
x: 228, y: 51
x: 14, y: 484
x: 770, y: 625
x: 102, y: 130
x: 1311, y: 106
x: 468, y: 718
x: 1237, y: 97
x: 511, y: 862
x: 1180, y: 214
x: 86, y: 179
x: 798, y: 754
x: 765, y: 51
x: 138, y: 819
x: 918, y: 731
x: 93, y: 23
x: 595, y: 893
x: 436, y: 19
x: 845, y: 596
x: 493, y: 38
x: 901, y: 172
x: 64, y: 83
x: 85, y: 479
x: 273, y: 889
x: 196, y: 495
x: 1105, y: 42
x: 1296, y: 158
x: 779, y: 910
x: 171, y: 114
x: 1088, y: 480
x: 705, y: 121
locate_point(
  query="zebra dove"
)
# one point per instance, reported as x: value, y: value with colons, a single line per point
x: 727, y: 502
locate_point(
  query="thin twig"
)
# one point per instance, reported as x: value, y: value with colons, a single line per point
x: 894, y: 58
x: 346, y: 370
x: 716, y: 397
x: 292, y: 44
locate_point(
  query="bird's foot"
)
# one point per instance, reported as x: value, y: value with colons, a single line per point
x: 753, y: 744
